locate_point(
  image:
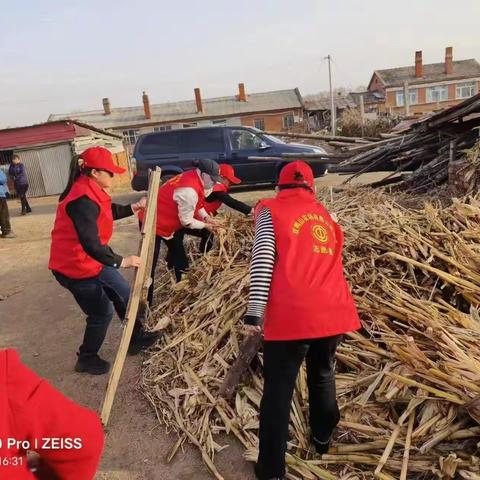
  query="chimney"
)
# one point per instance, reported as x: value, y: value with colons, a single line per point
x: 146, y: 105
x: 449, y: 60
x: 418, y: 64
x: 198, y: 100
x: 106, y: 106
x: 242, y: 96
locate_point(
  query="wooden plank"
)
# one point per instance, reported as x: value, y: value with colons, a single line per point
x: 248, y: 350
x: 146, y: 244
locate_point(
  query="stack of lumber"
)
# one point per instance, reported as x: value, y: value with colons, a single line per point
x: 408, y: 384
x: 425, y: 149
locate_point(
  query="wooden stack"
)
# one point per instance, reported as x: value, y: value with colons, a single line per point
x: 408, y: 384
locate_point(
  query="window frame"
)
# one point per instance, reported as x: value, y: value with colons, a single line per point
x: 131, y: 134
x: 429, y: 90
x: 473, y: 89
x: 162, y: 128
x: 286, y: 126
x: 262, y: 122
x: 412, y: 93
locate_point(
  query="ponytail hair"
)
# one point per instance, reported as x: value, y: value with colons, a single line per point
x: 75, y: 171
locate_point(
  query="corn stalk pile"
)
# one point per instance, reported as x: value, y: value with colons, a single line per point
x: 407, y: 384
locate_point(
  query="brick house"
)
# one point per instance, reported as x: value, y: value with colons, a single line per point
x: 431, y: 87
x: 276, y: 111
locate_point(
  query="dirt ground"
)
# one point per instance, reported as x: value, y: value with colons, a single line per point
x: 43, y: 323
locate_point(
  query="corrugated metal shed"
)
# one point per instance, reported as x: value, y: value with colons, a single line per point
x: 187, y: 110
x: 48, y: 132
x: 47, y: 169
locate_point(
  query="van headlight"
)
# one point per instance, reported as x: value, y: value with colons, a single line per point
x: 133, y: 165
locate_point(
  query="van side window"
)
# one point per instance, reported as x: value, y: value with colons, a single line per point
x: 201, y: 140
x: 244, y: 140
x: 160, y: 143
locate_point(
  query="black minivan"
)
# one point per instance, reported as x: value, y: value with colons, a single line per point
x: 176, y: 151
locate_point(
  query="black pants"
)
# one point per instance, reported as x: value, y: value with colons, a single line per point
x: 22, y: 195
x: 206, y: 238
x: 282, y: 361
x: 177, y: 259
x: 95, y: 297
x: 4, y: 217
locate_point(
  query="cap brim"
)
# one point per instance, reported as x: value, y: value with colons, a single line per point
x: 115, y: 169
x: 234, y: 180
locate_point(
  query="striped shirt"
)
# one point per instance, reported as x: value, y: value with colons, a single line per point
x: 261, y: 267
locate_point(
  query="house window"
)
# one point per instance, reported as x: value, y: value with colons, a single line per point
x: 131, y: 136
x: 466, y: 90
x: 219, y: 123
x: 259, y: 123
x: 413, y: 97
x: 437, y: 94
x: 162, y: 128
x: 189, y: 125
x: 288, y: 121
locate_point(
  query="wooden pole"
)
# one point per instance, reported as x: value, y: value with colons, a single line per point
x: 141, y: 276
x: 362, y: 114
x: 406, y: 99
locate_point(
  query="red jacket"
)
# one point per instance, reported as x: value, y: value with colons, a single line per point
x: 309, y: 295
x: 67, y: 255
x: 167, y: 209
x: 32, y: 411
x: 212, y: 207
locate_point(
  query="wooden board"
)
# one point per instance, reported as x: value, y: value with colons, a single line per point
x: 248, y: 349
x: 141, y: 277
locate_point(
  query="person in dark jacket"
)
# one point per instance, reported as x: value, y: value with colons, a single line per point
x: 299, y: 292
x: 4, y: 214
x: 36, y: 414
x: 19, y: 177
x: 83, y: 262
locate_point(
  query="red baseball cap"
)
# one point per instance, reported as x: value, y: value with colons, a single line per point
x: 227, y: 171
x: 296, y: 173
x: 100, y: 158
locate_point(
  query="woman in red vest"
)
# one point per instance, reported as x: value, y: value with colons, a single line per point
x: 82, y: 261
x: 68, y: 437
x: 213, y: 201
x: 180, y: 204
x: 300, y: 294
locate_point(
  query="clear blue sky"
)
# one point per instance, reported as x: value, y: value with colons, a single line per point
x: 60, y: 56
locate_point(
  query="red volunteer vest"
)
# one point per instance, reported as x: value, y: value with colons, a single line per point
x: 32, y: 410
x: 67, y: 255
x: 309, y: 295
x: 167, y: 210
x: 212, y: 207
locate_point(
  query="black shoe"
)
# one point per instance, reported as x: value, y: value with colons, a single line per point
x: 142, y: 340
x: 321, y: 446
x: 23, y: 213
x: 92, y: 364
x: 29, y: 210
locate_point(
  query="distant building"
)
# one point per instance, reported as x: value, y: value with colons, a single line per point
x: 277, y: 110
x: 47, y: 149
x: 430, y: 87
x: 317, y: 109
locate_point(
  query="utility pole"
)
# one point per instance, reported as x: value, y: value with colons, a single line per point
x: 332, y: 103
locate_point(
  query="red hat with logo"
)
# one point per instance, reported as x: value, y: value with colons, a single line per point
x: 100, y: 158
x: 296, y: 173
x: 227, y: 171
